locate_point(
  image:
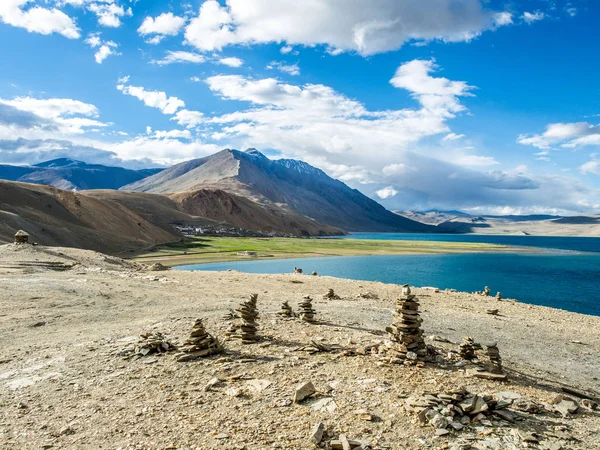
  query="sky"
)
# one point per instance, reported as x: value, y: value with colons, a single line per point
x: 490, y: 107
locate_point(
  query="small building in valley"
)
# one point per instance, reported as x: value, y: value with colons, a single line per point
x: 21, y: 237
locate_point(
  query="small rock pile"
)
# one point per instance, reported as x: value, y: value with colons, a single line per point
x: 157, y: 267
x: 331, y: 295
x: 150, y: 343
x: 286, y: 310
x: 231, y: 315
x: 199, y: 344
x: 486, y: 291
x: 406, y: 329
x: 467, y: 349
x: 495, y: 362
x: 307, y: 313
x: 456, y: 409
x: 499, y: 296
x: 248, y: 313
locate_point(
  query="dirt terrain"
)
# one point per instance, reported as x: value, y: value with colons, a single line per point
x: 69, y: 318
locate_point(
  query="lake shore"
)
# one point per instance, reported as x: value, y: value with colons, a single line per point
x: 65, y: 383
x: 226, y: 249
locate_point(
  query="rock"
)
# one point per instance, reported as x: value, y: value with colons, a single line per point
x: 344, y: 442
x: 233, y: 392
x: 441, y: 432
x: 439, y: 422
x: 316, y: 434
x: 213, y: 382
x: 324, y: 404
x: 304, y: 390
x: 338, y: 444
x: 257, y: 386
x: 566, y: 407
x: 221, y: 436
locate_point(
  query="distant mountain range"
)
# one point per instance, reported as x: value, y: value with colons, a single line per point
x: 69, y: 174
x: 533, y: 224
x: 115, y: 209
x: 284, y: 183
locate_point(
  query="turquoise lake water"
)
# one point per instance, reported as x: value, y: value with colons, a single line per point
x: 567, y: 278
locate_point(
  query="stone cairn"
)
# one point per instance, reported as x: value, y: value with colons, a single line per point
x: 248, y: 313
x: 286, y: 310
x: 331, y: 295
x: 406, y: 329
x: 486, y: 291
x: 494, y: 360
x: 21, y: 237
x: 499, y: 296
x: 307, y: 313
x: 467, y: 349
x: 199, y: 344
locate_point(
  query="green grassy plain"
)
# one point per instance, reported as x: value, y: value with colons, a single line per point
x: 217, y: 249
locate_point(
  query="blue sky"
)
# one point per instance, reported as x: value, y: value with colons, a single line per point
x: 485, y: 106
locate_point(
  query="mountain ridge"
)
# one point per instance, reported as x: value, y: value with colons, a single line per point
x: 70, y: 174
x: 293, y: 184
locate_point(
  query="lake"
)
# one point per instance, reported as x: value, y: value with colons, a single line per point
x: 568, y: 278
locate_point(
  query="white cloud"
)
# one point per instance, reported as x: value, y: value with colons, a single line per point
x: 35, y: 118
x: 173, y: 134
x: 37, y: 19
x: 155, y: 99
x: 533, y: 17
x: 53, y: 108
x: 592, y: 166
x: 105, y: 48
x: 173, y: 57
x: 290, y: 69
x: 188, y: 119
x: 567, y: 135
x: 286, y: 49
x: 503, y: 18
x: 341, y: 25
x: 453, y: 137
x: 167, y: 24
x: 571, y: 11
x: 231, y: 62
x: 387, y: 192
x: 108, y: 13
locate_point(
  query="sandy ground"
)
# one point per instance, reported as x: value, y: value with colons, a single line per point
x: 64, y: 383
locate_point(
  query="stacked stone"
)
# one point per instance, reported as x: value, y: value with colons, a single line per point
x: 286, y: 310
x: 331, y: 295
x: 21, y: 237
x: 486, y: 291
x: 499, y: 296
x: 406, y: 329
x: 199, y: 344
x: 307, y: 313
x: 248, y: 313
x: 467, y: 349
x: 495, y: 362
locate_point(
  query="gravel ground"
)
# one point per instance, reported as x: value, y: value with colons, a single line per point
x: 65, y: 383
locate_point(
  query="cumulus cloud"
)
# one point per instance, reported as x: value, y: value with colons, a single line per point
x: 173, y: 57
x: 533, y: 17
x: 340, y: 25
x: 290, y: 69
x: 37, y: 19
x: 155, y: 99
x: 231, y: 62
x: 109, y: 14
x: 173, y: 134
x: 566, y: 135
x: 188, y: 119
x: 104, y: 48
x: 166, y: 24
x: 387, y: 192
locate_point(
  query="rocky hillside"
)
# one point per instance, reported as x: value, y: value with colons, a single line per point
x: 295, y: 185
x: 114, y: 221
x: 69, y: 174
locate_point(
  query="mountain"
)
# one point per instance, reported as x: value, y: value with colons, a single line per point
x: 69, y: 174
x: 294, y: 185
x: 114, y: 222
x: 532, y: 224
